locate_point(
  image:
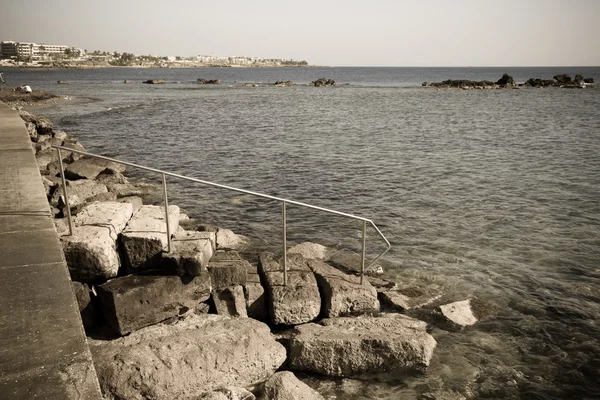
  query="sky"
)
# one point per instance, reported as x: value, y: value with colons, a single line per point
x: 322, y: 32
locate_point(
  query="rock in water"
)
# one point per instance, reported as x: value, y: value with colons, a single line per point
x: 300, y: 300
x: 90, y: 168
x: 184, y: 360
x: 366, y: 345
x: 459, y: 313
x: 343, y: 294
x: 309, y: 250
x: 285, y: 386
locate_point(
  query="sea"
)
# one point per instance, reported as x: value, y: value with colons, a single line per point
x: 489, y: 195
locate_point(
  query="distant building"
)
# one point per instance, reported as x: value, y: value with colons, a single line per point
x: 29, y: 50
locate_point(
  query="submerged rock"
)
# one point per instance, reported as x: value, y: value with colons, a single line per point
x: 322, y: 82
x: 154, y: 81
x: 460, y: 313
x: 365, y: 345
x: 196, y: 355
x: 203, y: 81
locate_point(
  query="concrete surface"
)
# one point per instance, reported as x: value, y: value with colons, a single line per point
x: 43, y: 349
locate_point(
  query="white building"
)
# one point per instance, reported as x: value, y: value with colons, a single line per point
x: 29, y: 50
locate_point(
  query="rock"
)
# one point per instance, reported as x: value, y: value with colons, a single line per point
x: 79, y: 192
x: 129, y: 189
x: 82, y: 294
x: 366, y: 345
x: 90, y: 168
x: 145, y: 236
x: 186, y: 359
x: 537, y: 82
x: 506, y: 81
x: 60, y: 135
x: 227, y: 393
x: 43, y: 125
x: 309, y: 250
x: 49, y: 186
x: 322, y: 82
x: 135, y: 201
x: 133, y: 302
x: 226, y: 239
x: 227, y: 269
x: 112, y: 215
x: 91, y: 254
x: 588, y: 80
x: 284, y: 385
x: 230, y: 301
x: 208, y: 81
x: 75, y: 145
x: 284, y: 83
x: 562, y: 79
x: 45, y: 157
x: 61, y: 82
x: 195, y: 225
x: 256, y: 299
x: 33, y: 135
x: 189, y: 254
x: 460, y: 313
x: 343, y: 294
x: 42, y: 145
x: 110, y: 177
x: 102, y: 197
x: 154, y: 81
x: 298, y: 302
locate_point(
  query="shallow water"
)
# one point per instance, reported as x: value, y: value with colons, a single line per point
x: 486, y: 194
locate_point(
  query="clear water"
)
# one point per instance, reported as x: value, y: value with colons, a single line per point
x: 493, y: 195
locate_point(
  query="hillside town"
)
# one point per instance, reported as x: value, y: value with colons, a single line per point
x: 28, y: 54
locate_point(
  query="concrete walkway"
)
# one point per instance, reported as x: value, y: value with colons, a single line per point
x: 43, y: 349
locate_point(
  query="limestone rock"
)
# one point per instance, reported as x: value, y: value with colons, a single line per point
x: 133, y: 302
x: 45, y: 157
x: 145, y: 236
x: 135, y: 201
x: 230, y: 301
x: 460, y: 313
x: 409, y: 298
x: 90, y: 168
x: 184, y: 360
x: 256, y: 299
x: 227, y: 269
x: 42, y: 145
x: 284, y: 385
x: 365, y: 345
x: 227, y: 239
x: 189, y: 254
x: 91, y: 254
x: 112, y: 215
x: 228, y: 393
x: 75, y: 145
x: 298, y: 302
x: 79, y: 192
x: 343, y: 294
x: 309, y: 250
x: 110, y: 176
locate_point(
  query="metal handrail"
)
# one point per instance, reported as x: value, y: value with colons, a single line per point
x: 262, y: 195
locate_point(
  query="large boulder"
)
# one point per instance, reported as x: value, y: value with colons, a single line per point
x: 365, y: 345
x: 91, y: 254
x: 90, y: 168
x: 309, y: 250
x: 189, y: 254
x: 145, y: 236
x: 285, y: 386
x: 133, y: 302
x: 227, y: 269
x: 227, y: 239
x: 298, y: 302
x: 228, y: 393
x: 343, y: 294
x: 506, y: 81
x: 79, y: 192
x: 184, y: 360
x: 111, y: 214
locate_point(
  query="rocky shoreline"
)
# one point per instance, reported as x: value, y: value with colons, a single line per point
x: 205, y: 321
x: 507, y: 82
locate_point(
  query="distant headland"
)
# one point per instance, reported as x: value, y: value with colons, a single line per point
x: 34, y: 55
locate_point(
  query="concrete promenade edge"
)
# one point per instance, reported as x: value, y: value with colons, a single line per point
x: 43, y: 348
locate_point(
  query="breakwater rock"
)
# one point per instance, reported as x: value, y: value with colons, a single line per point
x: 154, y: 81
x: 197, y: 320
x: 507, y: 81
x: 322, y: 82
x: 203, y: 81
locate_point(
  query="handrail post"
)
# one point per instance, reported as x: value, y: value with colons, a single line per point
x: 64, y: 183
x: 164, y: 185
x: 364, y: 249
x: 284, y: 244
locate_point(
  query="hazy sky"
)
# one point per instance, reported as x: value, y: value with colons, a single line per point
x: 323, y: 32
